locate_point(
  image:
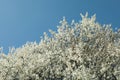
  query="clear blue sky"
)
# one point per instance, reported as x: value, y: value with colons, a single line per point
x: 26, y: 20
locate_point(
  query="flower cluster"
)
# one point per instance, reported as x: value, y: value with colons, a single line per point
x: 82, y: 50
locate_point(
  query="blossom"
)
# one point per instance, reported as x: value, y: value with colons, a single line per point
x: 84, y: 50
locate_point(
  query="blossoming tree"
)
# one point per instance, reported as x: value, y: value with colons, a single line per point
x: 82, y: 50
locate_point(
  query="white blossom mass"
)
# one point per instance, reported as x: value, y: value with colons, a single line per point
x: 84, y: 50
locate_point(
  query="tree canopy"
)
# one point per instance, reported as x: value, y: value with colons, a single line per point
x: 84, y: 50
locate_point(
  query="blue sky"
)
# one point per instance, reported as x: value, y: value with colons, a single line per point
x: 26, y: 20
